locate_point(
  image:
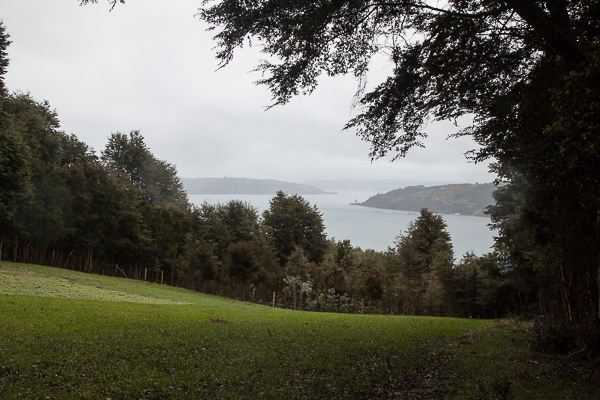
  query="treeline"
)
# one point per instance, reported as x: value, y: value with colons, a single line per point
x: 125, y: 213
x: 62, y: 205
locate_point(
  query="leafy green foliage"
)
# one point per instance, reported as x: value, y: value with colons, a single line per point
x: 293, y: 222
x: 528, y: 73
x: 424, y: 250
x: 156, y: 180
x: 242, y: 263
x: 466, y: 59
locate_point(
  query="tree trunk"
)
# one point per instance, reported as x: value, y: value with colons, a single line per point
x: 565, y: 294
x: 598, y: 270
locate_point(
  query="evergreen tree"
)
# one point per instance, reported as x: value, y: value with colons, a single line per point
x: 155, y: 179
x: 424, y: 254
x: 293, y: 222
x: 4, y: 60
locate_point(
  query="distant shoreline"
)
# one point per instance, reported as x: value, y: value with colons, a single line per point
x: 228, y: 185
x: 457, y: 199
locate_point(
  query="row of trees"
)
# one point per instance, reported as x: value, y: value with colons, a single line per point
x: 527, y: 72
x: 125, y: 213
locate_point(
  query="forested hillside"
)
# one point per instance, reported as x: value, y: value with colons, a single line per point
x: 245, y: 186
x: 465, y: 199
x: 124, y: 212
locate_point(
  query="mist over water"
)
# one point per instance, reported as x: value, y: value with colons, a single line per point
x: 372, y: 228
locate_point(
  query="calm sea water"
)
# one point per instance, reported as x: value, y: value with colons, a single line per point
x: 372, y: 228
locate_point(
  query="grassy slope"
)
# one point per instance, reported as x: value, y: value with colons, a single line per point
x: 65, y: 334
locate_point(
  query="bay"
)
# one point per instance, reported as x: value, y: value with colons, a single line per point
x: 372, y: 228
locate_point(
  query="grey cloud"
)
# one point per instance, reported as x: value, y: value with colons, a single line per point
x: 150, y: 66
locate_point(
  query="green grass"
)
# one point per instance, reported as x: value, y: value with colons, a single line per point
x: 68, y: 335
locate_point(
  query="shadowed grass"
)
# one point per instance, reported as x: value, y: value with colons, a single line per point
x: 100, y: 337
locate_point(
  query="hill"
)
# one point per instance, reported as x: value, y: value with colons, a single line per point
x: 245, y: 186
x: 464, y: 199
x: 68, y: 334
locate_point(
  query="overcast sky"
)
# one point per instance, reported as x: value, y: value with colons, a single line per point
x: 149, y: 65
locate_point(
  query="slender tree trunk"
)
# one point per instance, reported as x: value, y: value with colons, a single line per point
x: 521, y: 303
x: 26, y: 253
x: 598, y: 256
x: 123, y: 272
x: 91, y: 258
x: 565, y: 294
x: 67, y: 262
x: 45, y: 250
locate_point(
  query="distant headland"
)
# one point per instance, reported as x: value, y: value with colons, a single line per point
x: 464, y: 199
x: 228, y: 185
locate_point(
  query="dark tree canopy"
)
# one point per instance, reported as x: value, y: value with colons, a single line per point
x: 465, y: 57
x: 155, y: 179
x: 527, y: 71
x: 293, y: 222
x: 112, y: 3
x: 424, y: 240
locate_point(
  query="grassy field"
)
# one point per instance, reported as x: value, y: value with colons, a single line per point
x: 68, y: 335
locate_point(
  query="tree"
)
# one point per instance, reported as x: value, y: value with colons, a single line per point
x: 428, y: 237
x: 293, y: 222
x: 112, y: 3
x: 155, y: 179
x: 527, y: 71
x: 242, y: 263
x: 424, y: 252
x: 449, y: 60
x: 241, y: 218
x: 4, y: 61
x: 35, y: 199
